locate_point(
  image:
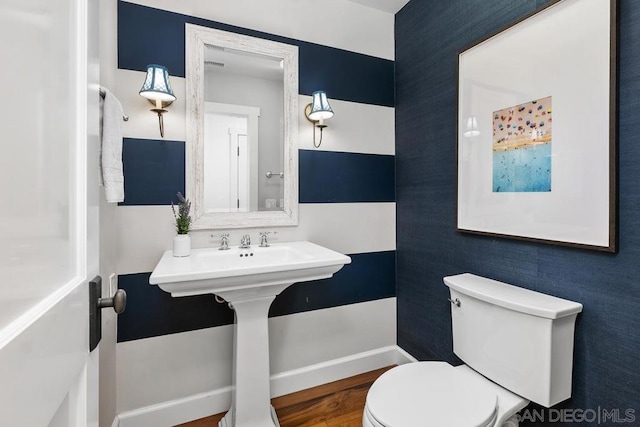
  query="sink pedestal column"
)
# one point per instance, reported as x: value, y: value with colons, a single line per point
x: 251, y: 395
x: 249, y: 280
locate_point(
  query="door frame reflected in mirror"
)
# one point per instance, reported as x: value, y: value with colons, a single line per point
x: 245, y: 194
x: 197, y: 38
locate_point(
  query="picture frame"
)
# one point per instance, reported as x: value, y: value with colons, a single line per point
x: 536, y: 130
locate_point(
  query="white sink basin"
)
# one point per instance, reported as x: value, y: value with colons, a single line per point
x: 249, y: 279
x: 245, y: 272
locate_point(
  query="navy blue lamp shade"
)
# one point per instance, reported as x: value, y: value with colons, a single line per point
x: 320, y: 108
x: 156, y: 86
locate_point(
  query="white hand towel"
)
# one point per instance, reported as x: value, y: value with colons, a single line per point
x: 111, y: 153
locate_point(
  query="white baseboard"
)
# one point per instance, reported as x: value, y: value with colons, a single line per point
x: 215, y: 401
x: 403, y: 357
x: 116, y: 421
x: 333, y: 370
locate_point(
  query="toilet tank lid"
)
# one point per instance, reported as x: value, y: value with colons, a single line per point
x: 512, y: 297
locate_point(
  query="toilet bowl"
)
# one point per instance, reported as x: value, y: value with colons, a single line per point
x: 427, y: 394
x: 516, y: 345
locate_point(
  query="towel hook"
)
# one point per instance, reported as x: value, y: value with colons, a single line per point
x: 103, y: 93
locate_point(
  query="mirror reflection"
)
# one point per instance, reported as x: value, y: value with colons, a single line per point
x: 243, y: 131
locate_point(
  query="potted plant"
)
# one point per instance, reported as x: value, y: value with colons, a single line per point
x: 182, y: 241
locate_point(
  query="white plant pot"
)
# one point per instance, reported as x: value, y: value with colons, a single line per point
x: 181, y: 245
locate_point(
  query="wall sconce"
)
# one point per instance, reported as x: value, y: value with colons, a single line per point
x: 157, y: 90
x: 472, y: 127
x: 317, y: 112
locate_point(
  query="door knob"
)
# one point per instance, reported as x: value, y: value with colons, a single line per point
x: 96, y: 304
x: 118, y: 301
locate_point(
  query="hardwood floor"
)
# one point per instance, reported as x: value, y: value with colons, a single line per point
x: 337, y: 404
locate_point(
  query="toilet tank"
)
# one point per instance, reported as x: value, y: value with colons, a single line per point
x: 520, y: 339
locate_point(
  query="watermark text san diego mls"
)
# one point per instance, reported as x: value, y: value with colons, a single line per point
x: 597, y: 415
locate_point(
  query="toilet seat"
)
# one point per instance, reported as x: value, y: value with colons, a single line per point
x: 431, y: 394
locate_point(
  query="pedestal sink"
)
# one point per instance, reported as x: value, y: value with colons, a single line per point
x: 249, y: 280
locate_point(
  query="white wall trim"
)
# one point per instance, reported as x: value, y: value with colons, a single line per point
x: 333, y: 370
x: 403, y: 357
x: 215, y: 401
x: 116, y: 421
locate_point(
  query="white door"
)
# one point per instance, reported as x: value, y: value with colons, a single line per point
x: 221, y: 157
x: 49, y: 220
x: 225, y: 127
x: 239, y: 169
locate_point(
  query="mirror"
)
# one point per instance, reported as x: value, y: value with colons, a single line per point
x: 242, y: 125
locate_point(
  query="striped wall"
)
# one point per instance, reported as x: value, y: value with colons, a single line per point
x: 347, y: 203
x: 344, y: 75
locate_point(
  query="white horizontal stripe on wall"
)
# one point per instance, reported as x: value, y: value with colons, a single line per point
x: 168, y: 367
x: 145, y: 232
x: 337, y: 23
x: 354, y: 128
x: 160, y: 369
x: 330, y: 333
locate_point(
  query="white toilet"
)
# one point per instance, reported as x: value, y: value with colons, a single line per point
x: 517, y: 346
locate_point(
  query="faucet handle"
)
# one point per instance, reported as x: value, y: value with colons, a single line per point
x: 224, y: 241
x: 263, y: 239
x: 264, y: 243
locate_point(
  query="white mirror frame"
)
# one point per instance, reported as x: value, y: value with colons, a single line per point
x: 196, y: 39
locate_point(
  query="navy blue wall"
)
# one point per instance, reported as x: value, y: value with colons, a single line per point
x: 429, y: 35
x: 154, y: 171
x: 331, y: 177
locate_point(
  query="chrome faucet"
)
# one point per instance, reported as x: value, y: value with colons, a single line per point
x: 245, y: 242
x: 224, y: 244
x: 263, y: 239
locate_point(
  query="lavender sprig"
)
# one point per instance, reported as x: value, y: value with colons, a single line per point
x: 183, y: 220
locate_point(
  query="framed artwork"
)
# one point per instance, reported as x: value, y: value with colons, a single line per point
x: 536, y: 146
